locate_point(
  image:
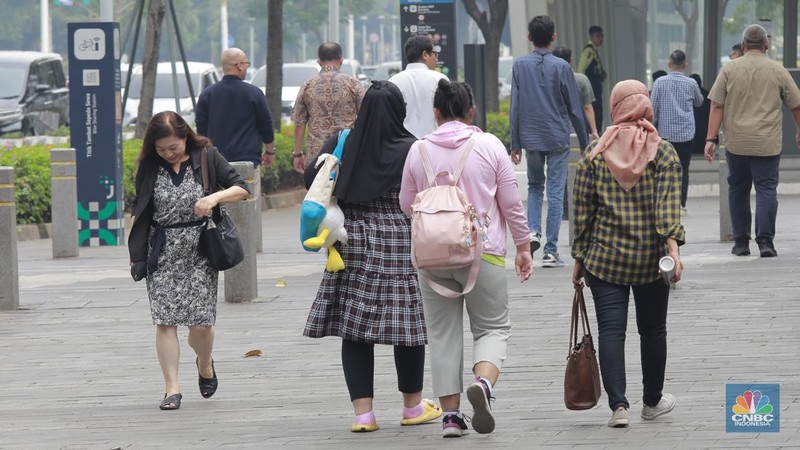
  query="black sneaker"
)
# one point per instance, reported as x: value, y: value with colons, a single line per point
x: 742, y: 248
x: 453, y: 425
x: 767, y: 249
x: 536, y: 242
x: 480, y: 398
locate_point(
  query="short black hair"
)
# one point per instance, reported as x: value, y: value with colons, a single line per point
x: 541, y: 30
x: 453, y: 99
x: 737, y: 47
x: 417, y: 45
x: 563, y: 53
x: 677, y: 58
x: 658, y: 74
x: 696, y: 77
x: 594, y: 29
x: 329, y: 51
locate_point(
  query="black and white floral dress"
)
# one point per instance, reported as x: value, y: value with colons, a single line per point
x: 183, y: 291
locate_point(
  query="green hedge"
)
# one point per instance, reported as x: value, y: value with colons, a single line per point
x: 32, y: 174
x: 497, y: 123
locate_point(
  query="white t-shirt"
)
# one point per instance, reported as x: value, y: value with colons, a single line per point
x: 418, y: 84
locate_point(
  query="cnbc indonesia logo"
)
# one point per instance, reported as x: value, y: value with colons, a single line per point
x: 752, y: 410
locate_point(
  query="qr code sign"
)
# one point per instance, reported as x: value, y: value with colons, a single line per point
x: 91, y: 77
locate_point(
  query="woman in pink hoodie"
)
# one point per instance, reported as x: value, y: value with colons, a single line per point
x: 490, y: 185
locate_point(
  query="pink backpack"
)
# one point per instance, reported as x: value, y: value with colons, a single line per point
x: 445, y: 227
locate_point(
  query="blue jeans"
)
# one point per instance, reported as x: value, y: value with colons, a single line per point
x: 611, y: 305
x: 557, y: 165
x: 743, y: 173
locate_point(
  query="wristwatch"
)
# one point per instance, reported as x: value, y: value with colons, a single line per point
x: 715, y: 139
x: 269, y: 152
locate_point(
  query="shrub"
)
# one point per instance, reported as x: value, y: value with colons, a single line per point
x: 497, y: 124
x: 32, y: 181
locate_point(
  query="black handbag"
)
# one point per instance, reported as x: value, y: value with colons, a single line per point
x: 219, y: 238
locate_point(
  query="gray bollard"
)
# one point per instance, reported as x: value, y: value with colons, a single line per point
x: 725, y: 225
x: 575, y: 153
x: 64, y: 202
x: 240, y: 281
x: 259, y: 200
x: 9, y: 271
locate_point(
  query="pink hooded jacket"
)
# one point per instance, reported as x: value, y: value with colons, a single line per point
x: 488, y: 180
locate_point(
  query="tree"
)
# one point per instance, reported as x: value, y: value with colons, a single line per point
x: 491, y: 25
x: 689, y: 11
x: 275, y: 60
x: 152, y: 38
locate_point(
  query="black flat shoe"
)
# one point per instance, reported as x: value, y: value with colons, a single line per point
x: 208, y: 386
x: 171, y: 402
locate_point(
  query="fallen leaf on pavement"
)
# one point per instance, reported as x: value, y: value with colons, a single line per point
x: 253, y: 353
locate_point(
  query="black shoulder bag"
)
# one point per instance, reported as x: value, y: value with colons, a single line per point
x: 219, y: 238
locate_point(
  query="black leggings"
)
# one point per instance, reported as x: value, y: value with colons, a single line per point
x: 358, y: 362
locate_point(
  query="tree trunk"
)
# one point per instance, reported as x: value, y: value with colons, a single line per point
x: 492, y: 29
x: 275, y: 60
x: 152, y: 39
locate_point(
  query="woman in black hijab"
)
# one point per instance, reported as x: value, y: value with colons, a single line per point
x: 376, y: 298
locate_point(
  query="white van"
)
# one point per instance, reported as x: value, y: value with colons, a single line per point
x: 202, y: 75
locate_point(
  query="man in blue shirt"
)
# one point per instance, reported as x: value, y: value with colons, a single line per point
x: 674, y: 98
x: 235, y: 116
x: 544, y: 100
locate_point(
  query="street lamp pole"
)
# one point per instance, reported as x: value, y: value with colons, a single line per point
x: 44, y: 16
x: 223, y: 22
x: 333, y: 21
x: 106, y: 10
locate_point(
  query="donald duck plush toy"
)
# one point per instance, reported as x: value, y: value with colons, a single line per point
x: 321, y: 219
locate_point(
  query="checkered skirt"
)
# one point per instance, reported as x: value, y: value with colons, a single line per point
x: 376, y: 298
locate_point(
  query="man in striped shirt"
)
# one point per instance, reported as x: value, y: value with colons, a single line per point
x: 674, y: 96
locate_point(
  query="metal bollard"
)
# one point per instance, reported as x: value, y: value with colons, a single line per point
x: 9, y: 269
x: 725, y: 225
x: 240, y: 281
x: 259, y: 200
x: 64, y: 201
x: 575, y: 153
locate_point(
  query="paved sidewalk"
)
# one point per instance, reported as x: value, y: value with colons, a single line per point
x: 78, y: 366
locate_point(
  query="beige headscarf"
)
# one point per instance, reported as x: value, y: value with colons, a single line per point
x: 632, y: 141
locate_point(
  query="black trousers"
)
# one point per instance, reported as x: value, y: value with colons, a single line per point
x: 358, y: 362
x: 611, y: 305
x: 597, y: 106
x: 684, y: 150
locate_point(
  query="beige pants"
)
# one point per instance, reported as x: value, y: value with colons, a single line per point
x: 487, y: 308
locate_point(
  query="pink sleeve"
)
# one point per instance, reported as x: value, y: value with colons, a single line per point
x: 408, y: 186
x: 508, y: 200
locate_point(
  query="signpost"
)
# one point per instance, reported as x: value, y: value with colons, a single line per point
x: 96, y: 131
x: 435, y: 18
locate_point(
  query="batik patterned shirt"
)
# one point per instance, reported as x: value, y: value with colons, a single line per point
x: 327, y: 103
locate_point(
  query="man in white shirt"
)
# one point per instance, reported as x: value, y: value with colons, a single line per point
x: 418, y: 83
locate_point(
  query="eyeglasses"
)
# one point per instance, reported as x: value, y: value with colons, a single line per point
x: 433, y: 52
x: 246, y: 63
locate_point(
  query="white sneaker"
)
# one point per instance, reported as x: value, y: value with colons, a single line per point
x: 552, y: 260
x: 619, y: 418
x: 665, y: 405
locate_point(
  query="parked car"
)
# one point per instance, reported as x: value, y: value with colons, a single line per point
x: 34, y: 97
x: 503, y: 68
x: 202, y: 75
x: 369, y: 71
x: 386, y: 70
x: 505, y: 86
x: 294, y: 75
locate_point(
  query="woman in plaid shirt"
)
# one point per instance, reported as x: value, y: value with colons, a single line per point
x: 627, y: 216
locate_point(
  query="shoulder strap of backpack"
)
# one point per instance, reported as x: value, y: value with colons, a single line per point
x: 463, y: 161
x: 337, y: 152
x: 426, y: 163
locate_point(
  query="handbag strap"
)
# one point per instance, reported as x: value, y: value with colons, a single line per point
x: 578, y: 314
x: 204, y: 169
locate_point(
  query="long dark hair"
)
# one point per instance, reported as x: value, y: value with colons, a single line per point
x: 166, y: 124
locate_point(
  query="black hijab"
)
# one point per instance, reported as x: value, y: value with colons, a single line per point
x: 376, y: 149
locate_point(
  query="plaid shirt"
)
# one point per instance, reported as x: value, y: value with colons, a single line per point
x: 674, y: 97
x: 620, y: 236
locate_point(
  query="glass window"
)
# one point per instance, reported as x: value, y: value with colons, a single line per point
x: 58, y: 74
x: 671, y: 26
x: 164, y: 86
x: 33, y: 79
x: 13, y: 85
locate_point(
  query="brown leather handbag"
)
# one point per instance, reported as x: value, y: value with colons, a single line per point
x: 582, y: 377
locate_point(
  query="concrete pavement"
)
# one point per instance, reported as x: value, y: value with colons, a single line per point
x: 78, y: 367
